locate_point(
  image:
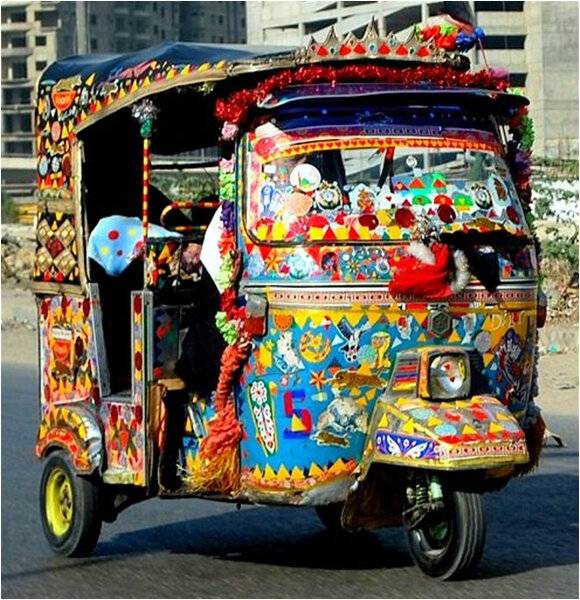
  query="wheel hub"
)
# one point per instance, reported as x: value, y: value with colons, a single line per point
x: 59, y: 502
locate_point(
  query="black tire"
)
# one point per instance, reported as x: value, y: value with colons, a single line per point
x: 78, y: 525
x: 456, y: 555
x: 329, y: 515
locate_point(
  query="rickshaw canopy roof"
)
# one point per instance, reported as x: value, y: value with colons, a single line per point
x: 105, y: 67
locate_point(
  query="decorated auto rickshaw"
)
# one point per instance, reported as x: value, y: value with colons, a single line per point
x: 369, y: 241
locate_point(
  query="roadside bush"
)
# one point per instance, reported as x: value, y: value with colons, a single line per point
x: 9, y: 212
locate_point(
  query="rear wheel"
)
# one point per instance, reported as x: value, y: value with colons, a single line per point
x: 449, y: 545
x: 69, y: 508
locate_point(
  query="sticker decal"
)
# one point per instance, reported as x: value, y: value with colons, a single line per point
x: 262, y: 409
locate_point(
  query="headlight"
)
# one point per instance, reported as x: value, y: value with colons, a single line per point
x: 449, y: 377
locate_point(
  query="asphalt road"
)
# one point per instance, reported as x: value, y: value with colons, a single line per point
x: 194, y: 548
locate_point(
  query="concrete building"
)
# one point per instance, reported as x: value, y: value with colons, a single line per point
x: 35, y: 34
x: 536, y: 41
x: 32, y: 33
x: 213, y: 22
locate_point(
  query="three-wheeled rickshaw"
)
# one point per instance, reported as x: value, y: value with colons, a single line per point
x: 300, y: 278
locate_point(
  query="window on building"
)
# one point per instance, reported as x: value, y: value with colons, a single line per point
x: 18, y: 148
x: 120, y: 23
x: 18, y: 42
x: 156, y: 29
x: 142, y: 25
x: 17, y: 16
x: 403, y: 18
x: 221, y: 39
x: 498, y: 6
x: 93, y: 19
x: 94, y: 44
x: 505, y: 42
x: 19, y: 71
x: 40, y: 40
x: 7, y: 123
x: 162, y: 11
x: 163, y: 34
x: 16, y: 96
x: 47, y: 18
x: 315, y: 26
x: 220, y: 19
x: 23, y: 96
x: 40, y: 65
x: 17, y: 123
x: 24, y: 123
x: 518, y: 79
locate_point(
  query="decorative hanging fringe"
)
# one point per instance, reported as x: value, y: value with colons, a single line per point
x: 218, y: 466
x: 221, y: 473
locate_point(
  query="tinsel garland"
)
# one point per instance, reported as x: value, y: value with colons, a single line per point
x: 234, y: 110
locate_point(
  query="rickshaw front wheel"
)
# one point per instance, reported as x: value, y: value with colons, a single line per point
x: 69, y: 507
x: 450, y: 547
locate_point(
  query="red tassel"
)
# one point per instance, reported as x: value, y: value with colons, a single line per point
x: 224, y: 430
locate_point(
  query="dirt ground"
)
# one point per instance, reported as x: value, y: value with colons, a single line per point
x: 558, y: 343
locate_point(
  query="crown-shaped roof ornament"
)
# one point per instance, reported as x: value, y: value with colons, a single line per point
x: 435, y: 45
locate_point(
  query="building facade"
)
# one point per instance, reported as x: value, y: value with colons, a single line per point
x: 35, y: 34
x: 213, y: 22
x: 536, y: 41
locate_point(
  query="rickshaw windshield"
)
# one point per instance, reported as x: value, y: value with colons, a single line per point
x: 333, y: 185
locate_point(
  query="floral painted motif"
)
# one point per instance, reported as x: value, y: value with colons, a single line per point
x: 125, y: 443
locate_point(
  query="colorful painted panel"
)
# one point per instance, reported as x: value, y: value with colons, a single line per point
x: 57, y: 252
x: 311, y: 384
x: 349, y: 263
x: 124, y: 442
x: 124, y: 422
x: 68, y: 351
x: 476, y: 432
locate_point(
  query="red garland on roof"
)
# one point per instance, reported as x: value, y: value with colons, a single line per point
x: 236, y: 107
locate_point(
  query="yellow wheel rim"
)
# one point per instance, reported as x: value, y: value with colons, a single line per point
x: 59, y: 504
